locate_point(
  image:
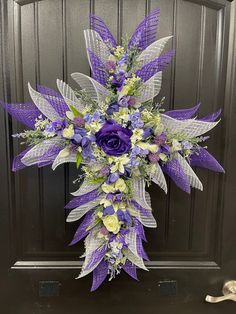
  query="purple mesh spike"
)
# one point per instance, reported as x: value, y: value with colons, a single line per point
x: 83, y: 199
x: 17, y: 164
x: 50, y: 154
x: 140, y: 229
x: 54, y: 98
x: 212, y: 117
x: 100, y: 27
x: 145, y: 33
x: 140, y: 249
x: 141, y: 209
x: 26, y: 113
x: 202, y: 158
x: 99, y: 275
x: 99, y: 72
x: 96, y: 256
x: 182, y: 114
x: 48, y: 91
x: 154, y: 66
x: 81, y: 232
x: 130, y: 269
x: 45, y: 163
x: 174, y: 170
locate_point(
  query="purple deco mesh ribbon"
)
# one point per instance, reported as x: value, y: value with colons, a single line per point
x: 96, y: 256
x: 17, y: 164
x: 55, y: 99
x: 130, y: 269
x: 100, y: 27
x: 26, y: 113
x: 182, y: 114
x: 99, y: 72
x: 82, y: 231
x: 83, y: 199
x: 174, y: 170
x: 154, y: 66
x: 145, y: 32
x: 99, y: 275
x: 140, y: 249
x: 202, y: 158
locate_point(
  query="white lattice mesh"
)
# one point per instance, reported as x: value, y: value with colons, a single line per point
x: 190, y: 127
x: 150, y: 88
x: 69, y: 95
x: 39, y: 153
x: 96, y: 91
x: 95, y: 43
x: 192, y: 177
x: 159, y: 178
x: 91, y: 244
x: 153, y: 51
x: 139, y: 193
x: 61, y: 160
x: 43, y: 105
x: 86, y: 187
x: 148, y: 221
x: 80, y: 211
x: 136, y: 260
x: 130, y: 239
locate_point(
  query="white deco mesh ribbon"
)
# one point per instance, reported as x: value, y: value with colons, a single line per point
x: 192, y: 177
x: 139, y: 193
x: 69, y: 95
x: 150, y: 88
x: 131, y: 241
x: 86, y: 187
x: 190, y: 127
x: 95, y: 43
x: 136, y: 260
x: 96, y: 91
x: 143, y: 199
x: 92, y: 243
x: 153, y: 51
x: 80, y: 211
x: 35, y: 154
x: 43, y: 105
x: 61, y: 160
x: 159, y: 178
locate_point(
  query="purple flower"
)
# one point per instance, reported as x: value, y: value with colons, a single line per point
x: 136, y: 121
x: 77, y: 138
x: 147, y: 132
x: 126, y: 101
x: 154, y: 158
x: 187, y: 145
x: 124, y: 216
x: 113, y: 177
x: 109, y: 210
x: 105, y: 171
x: 160, y: 139
x: 114, y: 107
x: 110, y: 65
x: 79, y: 121
x: 114, y: 139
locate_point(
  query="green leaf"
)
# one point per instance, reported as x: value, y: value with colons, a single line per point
x: 78, y: 159
x: 76, y: 113
x: 95, y: 181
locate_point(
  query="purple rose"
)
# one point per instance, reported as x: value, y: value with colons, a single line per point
x: 114, y: 139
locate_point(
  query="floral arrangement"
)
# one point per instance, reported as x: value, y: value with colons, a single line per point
x: 120, y: 139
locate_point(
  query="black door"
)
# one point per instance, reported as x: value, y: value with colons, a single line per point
x: 192, y: 251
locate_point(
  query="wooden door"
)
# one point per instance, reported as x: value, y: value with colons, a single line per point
x: 192, y: 251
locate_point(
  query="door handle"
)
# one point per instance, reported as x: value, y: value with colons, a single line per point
x: 229, y: 293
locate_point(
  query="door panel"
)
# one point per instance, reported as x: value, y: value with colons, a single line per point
x: 42, y: 41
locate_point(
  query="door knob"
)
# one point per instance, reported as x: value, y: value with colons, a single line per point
x: 229, y: 293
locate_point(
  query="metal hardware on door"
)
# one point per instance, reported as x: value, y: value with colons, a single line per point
x: 229, y: 293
